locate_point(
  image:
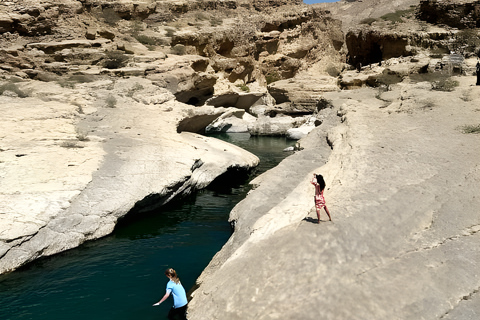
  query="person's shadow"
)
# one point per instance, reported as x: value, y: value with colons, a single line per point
x: 311, y: 220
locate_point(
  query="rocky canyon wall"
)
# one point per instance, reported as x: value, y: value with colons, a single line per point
x: 103, y: 100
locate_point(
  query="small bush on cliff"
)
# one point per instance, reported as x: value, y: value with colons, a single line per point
x: 272, y: 77
x: 115, y: 59
x: 74, y: 79
x: 179, y: 49
x: 368, y: 21
x: 111, y: 101
x: 110, y: 16
x: 243, y: 87
x: 397, y: 15
x: 471, y: 129
x: 445, y: 84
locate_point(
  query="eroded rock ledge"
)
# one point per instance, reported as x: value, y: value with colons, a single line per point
x: 75, y: 161
x: 401, y: 187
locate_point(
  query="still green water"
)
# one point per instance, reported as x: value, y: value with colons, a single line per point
x: 121, y: 276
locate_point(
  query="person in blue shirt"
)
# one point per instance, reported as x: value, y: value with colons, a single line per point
x: 174, y: 287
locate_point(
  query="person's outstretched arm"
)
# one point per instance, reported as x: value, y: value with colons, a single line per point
x: 163, y: 299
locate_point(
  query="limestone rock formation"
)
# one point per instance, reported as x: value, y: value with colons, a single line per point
x: 398, y: 247
x: 104, y: 100
x: 457, y: 14
x: 104, y: 103
x: 74, y: 161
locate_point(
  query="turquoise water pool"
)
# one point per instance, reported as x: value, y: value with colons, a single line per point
x: 121, y: 275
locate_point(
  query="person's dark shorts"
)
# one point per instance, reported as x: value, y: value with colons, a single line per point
x: 178, y: 313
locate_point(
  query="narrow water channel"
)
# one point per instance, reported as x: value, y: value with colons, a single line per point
x: 120, y: 276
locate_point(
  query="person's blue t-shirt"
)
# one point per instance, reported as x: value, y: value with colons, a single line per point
x: 179, y: 295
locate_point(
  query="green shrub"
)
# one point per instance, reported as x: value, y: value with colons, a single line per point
x: 179, y: 49
x: 115, y: 59
x: 69, y: 144
x: 445, y: 84
x: 110, y: 16
x: 368, y: 21
x: 74, y: 79
x: 397, y: 15
x: 466, y: 41
x: 272, y: 77
x: 243, y: 87
x: 111, y: 101
x: 471, y: 129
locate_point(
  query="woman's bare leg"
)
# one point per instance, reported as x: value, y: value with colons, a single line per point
x: 326, y: 210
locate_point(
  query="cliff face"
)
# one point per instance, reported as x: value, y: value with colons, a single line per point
x: 390, y: 150
x: 410, y: 31
x: 456, y: 14
x: 244, y: 41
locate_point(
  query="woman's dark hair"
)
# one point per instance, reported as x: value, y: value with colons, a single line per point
x: 320, y: 181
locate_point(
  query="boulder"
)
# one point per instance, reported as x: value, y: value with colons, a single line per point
x: 52, y: 47
x: 233, y: 121
x: 301, y: 94
x: 274, y: 126
x: 303, y: 130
